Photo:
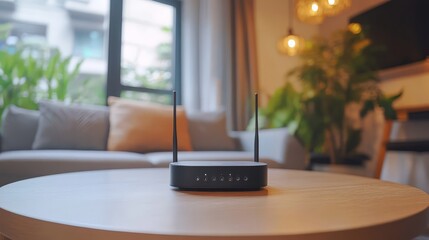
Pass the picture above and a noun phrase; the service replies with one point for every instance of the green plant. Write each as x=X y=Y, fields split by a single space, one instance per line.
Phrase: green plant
x=64 y=73
x=18 y=80
x=88 y=89
x=25 y=79
x=4 y=31
x=334 y=76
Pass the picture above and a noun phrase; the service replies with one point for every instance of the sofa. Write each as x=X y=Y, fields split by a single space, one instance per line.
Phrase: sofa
x=62 y=138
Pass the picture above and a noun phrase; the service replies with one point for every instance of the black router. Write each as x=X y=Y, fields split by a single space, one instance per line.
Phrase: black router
x=218 y=175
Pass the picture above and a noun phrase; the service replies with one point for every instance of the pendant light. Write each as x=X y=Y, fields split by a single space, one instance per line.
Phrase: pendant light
x=333 y=7
x=290 y=44
x=314 y=11
x=309 y=11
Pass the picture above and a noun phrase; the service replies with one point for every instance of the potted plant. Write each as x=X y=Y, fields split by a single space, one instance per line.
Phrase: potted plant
x=336 y=78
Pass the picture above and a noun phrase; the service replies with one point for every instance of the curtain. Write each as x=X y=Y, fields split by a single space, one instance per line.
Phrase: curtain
x=244 y=64
x=206 y=57
x=219 y=58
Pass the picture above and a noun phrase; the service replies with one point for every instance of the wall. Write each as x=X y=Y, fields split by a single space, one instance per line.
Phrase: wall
x=271 y=24
x=415 y=87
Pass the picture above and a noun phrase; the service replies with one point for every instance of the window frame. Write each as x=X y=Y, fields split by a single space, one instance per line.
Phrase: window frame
x=114 y=86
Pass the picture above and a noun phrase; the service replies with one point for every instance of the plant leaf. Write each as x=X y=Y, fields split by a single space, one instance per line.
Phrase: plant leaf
x=353 y=140
x=368 y=106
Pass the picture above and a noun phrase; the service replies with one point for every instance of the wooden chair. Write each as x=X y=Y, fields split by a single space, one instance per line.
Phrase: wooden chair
x=417 y=146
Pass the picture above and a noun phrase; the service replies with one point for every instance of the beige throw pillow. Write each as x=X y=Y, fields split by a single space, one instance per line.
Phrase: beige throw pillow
x=145 y=127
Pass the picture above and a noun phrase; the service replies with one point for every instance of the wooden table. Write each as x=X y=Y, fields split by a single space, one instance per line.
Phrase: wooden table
x=140 y=204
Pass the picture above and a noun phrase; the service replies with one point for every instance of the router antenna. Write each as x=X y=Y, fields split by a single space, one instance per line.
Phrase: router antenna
x=256 y=148
x=174 y=128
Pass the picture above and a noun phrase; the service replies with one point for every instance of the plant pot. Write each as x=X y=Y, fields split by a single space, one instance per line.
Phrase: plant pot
x=357 y=159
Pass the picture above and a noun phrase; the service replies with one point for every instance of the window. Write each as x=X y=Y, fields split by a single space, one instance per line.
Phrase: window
x=20 y=34
x=141 y=39
x=77 y=29
x=143 y=60
x=88 y=43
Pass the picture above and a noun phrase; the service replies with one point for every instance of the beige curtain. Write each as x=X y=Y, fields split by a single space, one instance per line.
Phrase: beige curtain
x=206 y=55
x=244 y=64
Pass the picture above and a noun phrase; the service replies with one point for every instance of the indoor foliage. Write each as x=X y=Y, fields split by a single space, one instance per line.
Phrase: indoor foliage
x=334 y=75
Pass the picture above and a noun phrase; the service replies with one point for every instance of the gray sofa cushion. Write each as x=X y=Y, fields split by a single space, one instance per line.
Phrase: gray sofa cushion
x=19 y=128
x=18 y=165
x=209 y=132
x=78 y=127
x=163 y=159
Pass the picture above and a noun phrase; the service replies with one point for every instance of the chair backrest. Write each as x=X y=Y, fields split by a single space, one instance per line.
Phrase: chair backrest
x=407 y=134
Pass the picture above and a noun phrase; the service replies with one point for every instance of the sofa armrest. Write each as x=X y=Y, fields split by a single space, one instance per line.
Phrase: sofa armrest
x=276 y=144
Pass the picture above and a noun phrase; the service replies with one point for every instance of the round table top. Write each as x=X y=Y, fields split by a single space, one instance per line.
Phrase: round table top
x=140 y=204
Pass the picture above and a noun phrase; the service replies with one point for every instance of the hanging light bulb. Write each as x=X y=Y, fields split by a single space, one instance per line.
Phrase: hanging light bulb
x=313 y=11
x=290 y=44
x=291 y=41
x=314 y=8
x=333 y=7
x=310 y=11
x=354 y=28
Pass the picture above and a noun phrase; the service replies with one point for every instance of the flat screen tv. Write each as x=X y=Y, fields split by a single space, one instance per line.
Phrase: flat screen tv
x=400 y=28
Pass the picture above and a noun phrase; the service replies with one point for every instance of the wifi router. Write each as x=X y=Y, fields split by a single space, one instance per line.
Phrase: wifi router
x=218 y=175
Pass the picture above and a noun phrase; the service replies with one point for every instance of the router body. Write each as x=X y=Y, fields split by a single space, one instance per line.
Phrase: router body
x=218 y=175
